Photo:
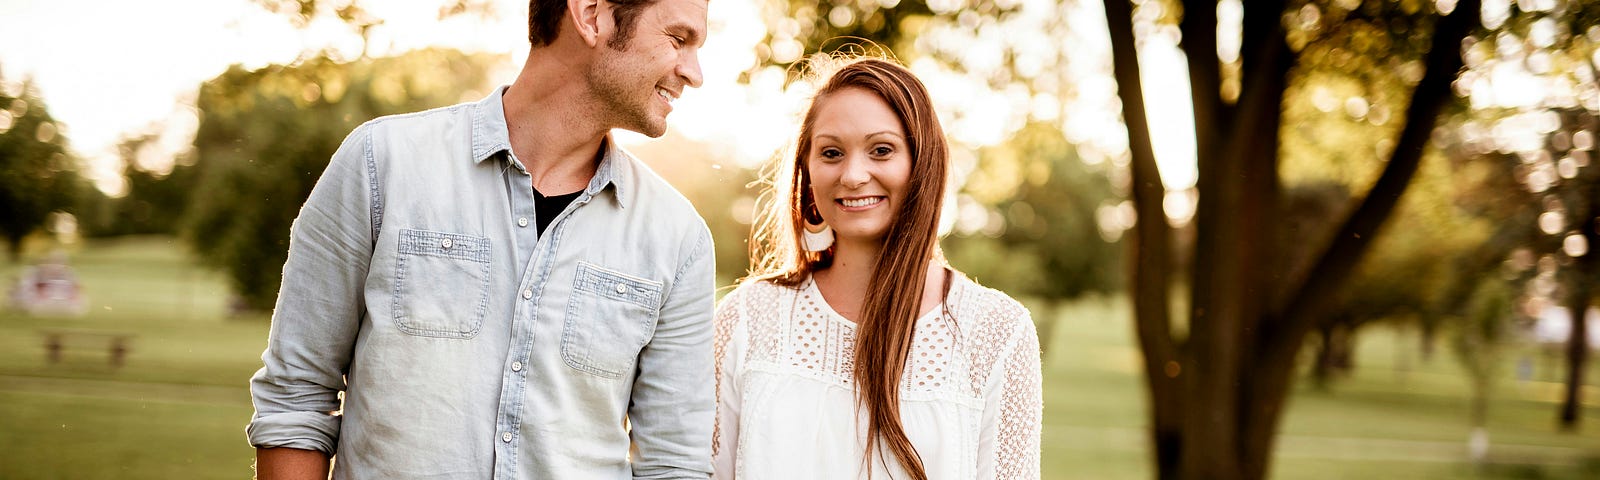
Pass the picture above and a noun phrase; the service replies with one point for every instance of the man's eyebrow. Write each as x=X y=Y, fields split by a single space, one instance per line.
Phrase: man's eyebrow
x=690 y=34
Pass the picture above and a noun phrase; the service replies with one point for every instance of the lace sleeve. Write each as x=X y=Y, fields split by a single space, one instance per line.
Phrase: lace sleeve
x=1016 y=452
x=725 y=439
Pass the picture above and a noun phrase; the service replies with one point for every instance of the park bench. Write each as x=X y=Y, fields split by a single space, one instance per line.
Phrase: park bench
x=115 y=344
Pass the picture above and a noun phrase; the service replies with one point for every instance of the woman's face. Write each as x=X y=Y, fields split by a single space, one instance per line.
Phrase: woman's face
x=860 y=163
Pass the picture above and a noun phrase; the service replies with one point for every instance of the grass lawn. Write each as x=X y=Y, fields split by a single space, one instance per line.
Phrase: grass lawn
x=177 y=409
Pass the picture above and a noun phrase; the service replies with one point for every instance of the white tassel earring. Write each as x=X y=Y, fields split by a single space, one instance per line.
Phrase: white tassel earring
x=817 y=237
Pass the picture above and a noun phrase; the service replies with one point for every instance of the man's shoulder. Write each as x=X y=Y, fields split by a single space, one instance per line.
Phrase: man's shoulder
x=430 y=118
x=655 y=197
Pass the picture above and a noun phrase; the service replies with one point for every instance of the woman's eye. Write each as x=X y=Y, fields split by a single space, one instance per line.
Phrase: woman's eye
x=832 y=153
x=882 y=151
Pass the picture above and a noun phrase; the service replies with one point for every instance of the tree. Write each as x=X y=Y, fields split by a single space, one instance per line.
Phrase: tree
x=1048 y=244
x=1535 y=101
x=155 y=198
x=266 y=135
x=1477 y=343
x=1410 y=276
x=1218 y=393
x=37 y=175
x=1556 y=188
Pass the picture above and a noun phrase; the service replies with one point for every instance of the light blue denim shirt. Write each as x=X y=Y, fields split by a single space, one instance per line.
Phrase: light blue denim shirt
x=467 y=346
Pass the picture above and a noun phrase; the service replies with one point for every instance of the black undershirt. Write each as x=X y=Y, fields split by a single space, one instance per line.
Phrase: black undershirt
x=546 y=208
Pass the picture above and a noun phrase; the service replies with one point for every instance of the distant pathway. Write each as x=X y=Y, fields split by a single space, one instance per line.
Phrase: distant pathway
x=134 y=391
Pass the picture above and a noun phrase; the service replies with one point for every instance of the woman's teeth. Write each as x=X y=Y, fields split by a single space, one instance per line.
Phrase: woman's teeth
x=860 y=202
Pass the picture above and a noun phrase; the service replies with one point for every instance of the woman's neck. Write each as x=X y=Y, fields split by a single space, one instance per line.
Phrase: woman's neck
x=845 y=282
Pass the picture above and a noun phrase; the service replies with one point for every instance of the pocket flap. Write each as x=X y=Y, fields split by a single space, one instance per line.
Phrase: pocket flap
x=449 y=245
x=618 y=286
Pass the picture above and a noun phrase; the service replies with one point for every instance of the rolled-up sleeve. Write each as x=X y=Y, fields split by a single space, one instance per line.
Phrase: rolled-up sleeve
x=319 y=307
x=674 y=401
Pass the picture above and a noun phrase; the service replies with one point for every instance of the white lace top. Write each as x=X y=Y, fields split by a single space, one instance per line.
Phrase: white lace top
x=970 y=399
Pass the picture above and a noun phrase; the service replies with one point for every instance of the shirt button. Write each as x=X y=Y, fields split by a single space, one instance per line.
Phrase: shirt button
x=522 y=222
x=506 y=436
x=622 y=288
x=527 y=293
x=516 y=366
x=446 y=243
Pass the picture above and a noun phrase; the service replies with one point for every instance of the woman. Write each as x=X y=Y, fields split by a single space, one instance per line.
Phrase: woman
x=852 y=352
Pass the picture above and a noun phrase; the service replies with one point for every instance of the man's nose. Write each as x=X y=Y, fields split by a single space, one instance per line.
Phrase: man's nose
x=689 y=68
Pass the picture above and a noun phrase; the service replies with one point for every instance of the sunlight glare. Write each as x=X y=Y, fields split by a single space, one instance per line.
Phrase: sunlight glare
x=1575 y=245
x=1171 y=112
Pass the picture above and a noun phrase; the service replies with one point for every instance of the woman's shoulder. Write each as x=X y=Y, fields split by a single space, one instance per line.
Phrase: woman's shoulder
x=981 y=300
x=754 y=291
x=998 y=316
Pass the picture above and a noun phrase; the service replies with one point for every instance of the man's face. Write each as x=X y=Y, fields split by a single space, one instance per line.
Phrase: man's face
x=637 y=83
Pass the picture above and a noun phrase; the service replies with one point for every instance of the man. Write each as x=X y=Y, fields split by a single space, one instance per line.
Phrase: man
x=498 y=290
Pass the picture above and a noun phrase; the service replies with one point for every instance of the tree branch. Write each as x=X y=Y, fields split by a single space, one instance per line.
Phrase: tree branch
x=1199 y=27
x=1150 y=246
x=1151 y=233
x=1355 y=235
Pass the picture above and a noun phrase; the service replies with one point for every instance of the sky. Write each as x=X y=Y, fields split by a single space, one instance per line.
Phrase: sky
x=111 y=68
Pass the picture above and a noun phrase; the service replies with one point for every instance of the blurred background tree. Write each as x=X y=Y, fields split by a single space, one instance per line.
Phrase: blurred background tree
x=37 y=174
x=1531 y=120
x=1479 y=344
x=155 y=197
x=1045 y=243
x=266 y=135
x=1546 y=198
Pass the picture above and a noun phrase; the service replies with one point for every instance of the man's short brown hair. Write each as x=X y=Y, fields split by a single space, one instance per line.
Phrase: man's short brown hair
x=544 y=20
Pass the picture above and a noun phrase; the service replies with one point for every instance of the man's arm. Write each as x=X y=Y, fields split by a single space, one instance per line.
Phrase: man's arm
x=286 y=463
x=674 y=398
x=315 y=320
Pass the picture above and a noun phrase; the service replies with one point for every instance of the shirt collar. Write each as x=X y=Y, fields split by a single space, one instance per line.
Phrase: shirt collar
x=490 y=136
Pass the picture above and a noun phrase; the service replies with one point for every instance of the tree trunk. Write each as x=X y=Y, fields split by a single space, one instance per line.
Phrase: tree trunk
x=1577 y=350
x=1322 y=369
x=14 y=248
x=1333 y=353
x=1580 y=287
x=1045 y=322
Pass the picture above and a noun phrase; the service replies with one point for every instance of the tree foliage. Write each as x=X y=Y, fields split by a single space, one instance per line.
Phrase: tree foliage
x=154 y=201
x=37 y=174
x=266 y=135
x=1048 y=244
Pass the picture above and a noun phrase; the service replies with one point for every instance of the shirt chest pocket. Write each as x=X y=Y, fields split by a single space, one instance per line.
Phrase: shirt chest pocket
x=610 y=317
x=441 y=283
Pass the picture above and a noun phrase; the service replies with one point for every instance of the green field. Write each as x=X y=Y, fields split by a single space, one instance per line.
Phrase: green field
x=177 y=409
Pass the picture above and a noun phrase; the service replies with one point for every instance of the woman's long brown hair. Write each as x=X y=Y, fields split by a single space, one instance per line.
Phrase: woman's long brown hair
x=888 y=316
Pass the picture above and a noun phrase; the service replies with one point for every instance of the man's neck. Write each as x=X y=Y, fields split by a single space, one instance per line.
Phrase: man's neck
x=550 y=121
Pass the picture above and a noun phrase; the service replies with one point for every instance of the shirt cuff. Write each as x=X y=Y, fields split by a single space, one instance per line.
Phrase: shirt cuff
x=302 y=430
